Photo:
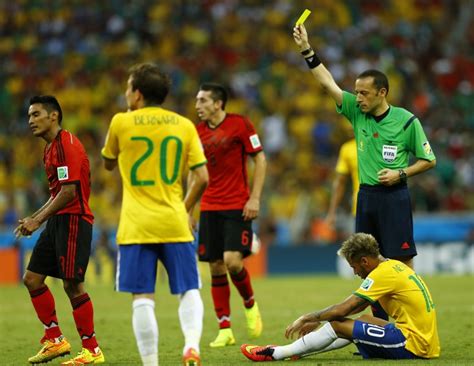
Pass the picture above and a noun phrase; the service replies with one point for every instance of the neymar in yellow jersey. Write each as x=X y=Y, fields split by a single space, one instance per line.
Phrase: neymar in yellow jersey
x=153 y=148
x=401 y=293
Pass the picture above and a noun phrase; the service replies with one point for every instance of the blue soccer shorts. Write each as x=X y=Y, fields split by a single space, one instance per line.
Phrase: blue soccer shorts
x=374 y=341
x=137 y=267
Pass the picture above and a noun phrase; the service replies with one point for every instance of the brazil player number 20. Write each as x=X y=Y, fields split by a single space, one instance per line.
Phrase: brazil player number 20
x=162 y=160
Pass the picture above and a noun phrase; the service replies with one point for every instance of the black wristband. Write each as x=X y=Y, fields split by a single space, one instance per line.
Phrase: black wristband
x=307 y=51
x=313 y=61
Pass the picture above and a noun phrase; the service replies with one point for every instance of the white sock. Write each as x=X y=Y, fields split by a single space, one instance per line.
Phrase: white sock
x=311 y=342
x=191 y=313
x=145 y=328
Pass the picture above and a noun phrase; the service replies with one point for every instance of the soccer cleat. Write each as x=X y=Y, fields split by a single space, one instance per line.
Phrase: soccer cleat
x=50 y=350
x=224 y=338
x=86 y=357
x=191 y=358
x=257 y=353
x=254 y=321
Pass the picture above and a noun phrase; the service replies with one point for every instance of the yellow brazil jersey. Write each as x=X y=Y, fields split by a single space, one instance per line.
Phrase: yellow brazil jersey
x=153 y=147
x=406 y=298
x=347 y=164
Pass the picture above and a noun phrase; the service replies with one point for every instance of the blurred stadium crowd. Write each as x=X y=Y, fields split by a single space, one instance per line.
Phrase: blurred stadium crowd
x=80 y=51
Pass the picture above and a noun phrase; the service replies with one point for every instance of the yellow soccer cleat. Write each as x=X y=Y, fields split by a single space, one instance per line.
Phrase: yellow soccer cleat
x=191 y=358
x=50 y=350
x=86 y=357
x=224 y=338
x=254 y=321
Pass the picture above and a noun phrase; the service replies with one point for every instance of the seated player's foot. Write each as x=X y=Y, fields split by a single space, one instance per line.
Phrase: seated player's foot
x=191 y=358
x=257 y=353
x=86 y=357
x=254 y=321
x=224 y=338
x=51 y=349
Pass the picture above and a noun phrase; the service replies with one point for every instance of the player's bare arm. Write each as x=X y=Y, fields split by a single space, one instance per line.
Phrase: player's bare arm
x=252 y=207
x=30 y=224
x=389 y=177
x=321 y=73
x=197 y=182
x=338 y=189
x=311 y=321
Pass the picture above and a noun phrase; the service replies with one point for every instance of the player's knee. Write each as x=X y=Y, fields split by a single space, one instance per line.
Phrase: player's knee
x=73 y=288
x=32 y=282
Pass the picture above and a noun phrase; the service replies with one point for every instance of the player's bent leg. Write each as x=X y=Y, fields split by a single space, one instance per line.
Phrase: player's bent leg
x=312 y=342
x=242 y=281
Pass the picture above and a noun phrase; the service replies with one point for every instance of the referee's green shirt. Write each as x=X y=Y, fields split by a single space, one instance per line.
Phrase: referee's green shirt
x=387 y=143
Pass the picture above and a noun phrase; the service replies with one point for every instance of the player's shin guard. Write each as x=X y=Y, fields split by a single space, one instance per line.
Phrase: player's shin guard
x=43 y=302
x=242 y=282
x=312 y=342
x=191 y=313
x=83 y=313
x=221 y=297
x=145 y=328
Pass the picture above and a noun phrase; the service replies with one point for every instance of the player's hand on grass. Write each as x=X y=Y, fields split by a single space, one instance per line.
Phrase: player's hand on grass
x=301 y=326
x=301 y=37
x=251 y=209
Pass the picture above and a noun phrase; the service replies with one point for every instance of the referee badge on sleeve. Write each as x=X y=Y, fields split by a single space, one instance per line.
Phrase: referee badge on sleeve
x=255 y=141
x=427 y=148
x=63 y=173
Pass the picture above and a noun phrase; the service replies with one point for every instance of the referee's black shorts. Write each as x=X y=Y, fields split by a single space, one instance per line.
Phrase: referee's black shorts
x=63 y=248
x=222 y=231
x=385 y=212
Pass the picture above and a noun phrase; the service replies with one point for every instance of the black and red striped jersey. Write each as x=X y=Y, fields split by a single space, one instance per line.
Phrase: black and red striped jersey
x=66 y=162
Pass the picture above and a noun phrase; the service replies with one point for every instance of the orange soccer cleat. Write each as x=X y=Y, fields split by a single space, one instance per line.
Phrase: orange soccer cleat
x=257 y=353
x=191 y=358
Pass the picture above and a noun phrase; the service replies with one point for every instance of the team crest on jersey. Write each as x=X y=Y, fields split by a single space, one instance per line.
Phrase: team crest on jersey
x=63 y=173
x=427 y=148
x=255 y=141
x=367 y=284
x=389 y=153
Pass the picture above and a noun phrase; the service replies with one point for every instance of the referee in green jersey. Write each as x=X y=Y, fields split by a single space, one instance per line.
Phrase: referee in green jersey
x=385 y=137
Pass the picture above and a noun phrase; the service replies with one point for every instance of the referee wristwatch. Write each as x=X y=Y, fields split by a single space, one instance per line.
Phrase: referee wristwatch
x=403 y=176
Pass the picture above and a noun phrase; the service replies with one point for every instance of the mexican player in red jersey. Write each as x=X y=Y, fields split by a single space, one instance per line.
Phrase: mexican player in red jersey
x=228 y=205
x=63 y=247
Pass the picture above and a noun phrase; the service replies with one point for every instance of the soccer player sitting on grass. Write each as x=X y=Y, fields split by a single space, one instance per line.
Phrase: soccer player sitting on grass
x=401 y=293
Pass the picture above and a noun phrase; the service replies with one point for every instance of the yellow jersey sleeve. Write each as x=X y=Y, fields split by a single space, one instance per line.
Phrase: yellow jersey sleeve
x=111 y=145
x=196 y=155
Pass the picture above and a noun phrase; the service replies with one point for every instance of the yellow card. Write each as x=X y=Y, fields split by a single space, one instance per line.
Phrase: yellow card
x=303 y=17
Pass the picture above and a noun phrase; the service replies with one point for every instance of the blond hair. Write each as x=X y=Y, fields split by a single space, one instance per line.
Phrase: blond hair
x=359 y=245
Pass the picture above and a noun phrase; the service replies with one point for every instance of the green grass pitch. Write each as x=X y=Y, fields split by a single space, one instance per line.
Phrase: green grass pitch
x=281 y=300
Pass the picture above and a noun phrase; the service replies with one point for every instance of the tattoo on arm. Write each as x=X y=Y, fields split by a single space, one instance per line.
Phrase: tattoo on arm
x=359 y=305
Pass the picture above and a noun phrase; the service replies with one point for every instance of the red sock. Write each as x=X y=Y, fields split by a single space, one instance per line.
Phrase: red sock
x=83 y=313
x=241 y=280
x=221 y=297
x=43 y=302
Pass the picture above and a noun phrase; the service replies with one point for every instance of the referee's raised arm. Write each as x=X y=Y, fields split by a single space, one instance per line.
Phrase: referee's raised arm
x=314 y=63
